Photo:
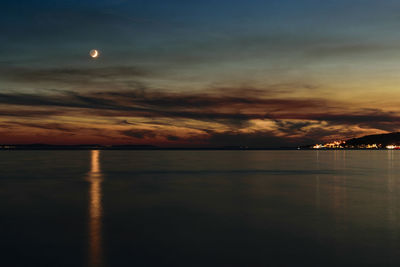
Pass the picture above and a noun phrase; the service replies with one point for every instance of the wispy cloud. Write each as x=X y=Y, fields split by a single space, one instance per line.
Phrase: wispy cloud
x=72 y=76
x=220 y=117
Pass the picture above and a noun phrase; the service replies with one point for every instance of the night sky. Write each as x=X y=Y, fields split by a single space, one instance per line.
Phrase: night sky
x=198 y=73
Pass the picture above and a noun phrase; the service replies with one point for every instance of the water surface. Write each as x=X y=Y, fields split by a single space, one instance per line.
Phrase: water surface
x=199 y=208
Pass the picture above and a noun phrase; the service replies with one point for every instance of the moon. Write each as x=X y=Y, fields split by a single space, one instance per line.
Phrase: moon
x=94 y=53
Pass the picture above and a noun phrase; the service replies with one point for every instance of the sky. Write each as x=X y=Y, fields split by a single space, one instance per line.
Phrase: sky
x=198 y=73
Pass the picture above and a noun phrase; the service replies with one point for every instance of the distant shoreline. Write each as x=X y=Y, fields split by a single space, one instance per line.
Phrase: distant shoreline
x=85 y=147
x=155 y=148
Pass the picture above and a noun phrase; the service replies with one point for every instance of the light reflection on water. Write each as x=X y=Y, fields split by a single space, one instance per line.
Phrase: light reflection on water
x=391 y=194
x=95 y=178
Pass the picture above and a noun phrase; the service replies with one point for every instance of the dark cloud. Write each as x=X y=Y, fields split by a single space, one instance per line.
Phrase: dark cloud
x=173 y=138
x=371 y=119
x=232 y=98
x=125 y=122
x=234 y=111
x=139 y=133
x=212 y=106
x=44 y=125
x=72 y=76
x=64 y=99
x=28 y=113
x=296 y=120
x=292 y=127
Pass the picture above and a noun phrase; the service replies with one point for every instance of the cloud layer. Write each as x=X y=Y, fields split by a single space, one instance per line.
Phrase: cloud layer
x=226 y=117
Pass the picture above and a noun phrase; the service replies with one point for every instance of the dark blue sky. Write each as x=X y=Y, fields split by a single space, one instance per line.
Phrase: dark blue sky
x=39 y=30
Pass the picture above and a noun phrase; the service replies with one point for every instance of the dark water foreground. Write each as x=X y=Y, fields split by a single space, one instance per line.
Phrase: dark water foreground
x=199 y=208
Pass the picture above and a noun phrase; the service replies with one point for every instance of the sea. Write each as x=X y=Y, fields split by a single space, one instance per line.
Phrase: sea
x=200 y=208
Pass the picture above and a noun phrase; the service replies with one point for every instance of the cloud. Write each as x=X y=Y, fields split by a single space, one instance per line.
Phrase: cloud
x=140 y=133
x=233 y=109
x=72 y=76
x=218 y=117
x=366 y=117
x=44 y=125
x=28 y=113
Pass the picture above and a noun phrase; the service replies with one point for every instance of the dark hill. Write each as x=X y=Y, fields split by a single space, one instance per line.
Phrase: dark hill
x=383 y=139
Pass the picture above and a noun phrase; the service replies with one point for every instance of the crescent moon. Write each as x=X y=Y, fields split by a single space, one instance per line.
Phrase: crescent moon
x=94 y=53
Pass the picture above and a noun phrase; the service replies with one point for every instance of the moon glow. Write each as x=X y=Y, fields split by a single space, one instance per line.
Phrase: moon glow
x=94 y=53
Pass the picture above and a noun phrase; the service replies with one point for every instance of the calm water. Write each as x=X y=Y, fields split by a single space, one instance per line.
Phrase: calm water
x=199 y=208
